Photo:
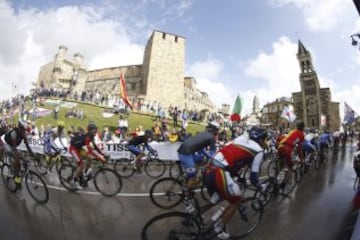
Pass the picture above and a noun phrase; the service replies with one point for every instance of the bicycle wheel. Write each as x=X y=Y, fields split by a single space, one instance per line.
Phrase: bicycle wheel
x=8 y=175
x=290 y=184
x=166 y=193
x=124 y=167
x=251 y=211
x=171 y=225
x=272 y=168
x=41 y=164
x=267 y=195
x=36 y=186
x=67 y=174
x=175 y=170
x=61 y=160
x=155 y=168
x=107 y=182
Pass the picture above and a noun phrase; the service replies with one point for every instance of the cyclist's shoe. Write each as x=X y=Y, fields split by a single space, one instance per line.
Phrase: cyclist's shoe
x=220 y=230
x=78 y=185
x=18 y=181
x=223 y=235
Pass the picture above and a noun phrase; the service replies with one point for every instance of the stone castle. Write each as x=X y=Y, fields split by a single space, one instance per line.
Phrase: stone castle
x=160 y=79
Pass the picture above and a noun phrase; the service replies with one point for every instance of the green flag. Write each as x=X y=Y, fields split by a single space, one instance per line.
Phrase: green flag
x=238 y=105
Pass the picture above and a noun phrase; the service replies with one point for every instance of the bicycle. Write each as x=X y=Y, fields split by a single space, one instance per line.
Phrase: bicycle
x=198 y=224
x=106 y=180
x=276 y=175
x=153 y=166
x=34 y=183
x=46 y=163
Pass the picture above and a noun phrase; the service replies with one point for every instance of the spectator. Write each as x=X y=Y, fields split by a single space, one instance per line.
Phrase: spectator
x=106 y=135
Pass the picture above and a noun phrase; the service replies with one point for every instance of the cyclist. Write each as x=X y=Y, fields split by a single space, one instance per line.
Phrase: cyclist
x=245 y=150
x=325 y=139
x=134 y=147
x=286 y=148
x=50 y=148
x=194 y=147
x=309 y=144
x=9 y=142
x=356 y=165
x=83 y=145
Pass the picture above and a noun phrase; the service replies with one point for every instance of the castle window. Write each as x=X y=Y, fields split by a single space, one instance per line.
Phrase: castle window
x=176 y=38
x=163 y=35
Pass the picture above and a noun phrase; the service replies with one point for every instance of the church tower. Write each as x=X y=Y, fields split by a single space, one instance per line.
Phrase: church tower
x=310 y=111
x=164 y=69
x=313 y=104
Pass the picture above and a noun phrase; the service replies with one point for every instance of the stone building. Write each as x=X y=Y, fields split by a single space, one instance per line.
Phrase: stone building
x=313 y=104
x=159 y=80
x=271 y=113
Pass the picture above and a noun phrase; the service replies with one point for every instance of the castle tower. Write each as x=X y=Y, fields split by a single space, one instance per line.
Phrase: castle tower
x=163 y=69
x=256 y=105
x=310 y=89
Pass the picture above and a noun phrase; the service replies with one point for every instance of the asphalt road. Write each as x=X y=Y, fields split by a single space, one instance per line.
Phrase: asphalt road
x=320 y=208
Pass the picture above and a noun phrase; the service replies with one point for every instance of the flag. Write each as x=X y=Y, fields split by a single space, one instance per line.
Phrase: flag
x=235 y=116
x=349 y=114
x=288 y=114
x=323 y=120
x=123 y=92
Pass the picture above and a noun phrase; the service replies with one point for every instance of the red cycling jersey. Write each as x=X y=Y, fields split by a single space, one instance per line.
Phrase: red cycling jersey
x=286 y=146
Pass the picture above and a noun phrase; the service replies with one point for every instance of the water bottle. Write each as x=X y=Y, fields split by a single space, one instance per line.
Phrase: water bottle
x=217 y=214
x=189 y=207
x=281 y=176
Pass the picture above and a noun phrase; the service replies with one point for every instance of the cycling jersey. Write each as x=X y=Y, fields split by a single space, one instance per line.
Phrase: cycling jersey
x=189 y=150
x=198 y=142
x=227 y=163
x=13 y=136
x=134 y=143
x=325 y=139
x=287 y=144
x=11 y=139
x=83 y=144
x=48 y=139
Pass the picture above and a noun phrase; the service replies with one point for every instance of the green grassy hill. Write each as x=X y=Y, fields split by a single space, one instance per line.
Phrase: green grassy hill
x=94 y=113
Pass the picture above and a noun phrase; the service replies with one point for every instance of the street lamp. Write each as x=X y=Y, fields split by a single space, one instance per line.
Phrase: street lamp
x=355 y=38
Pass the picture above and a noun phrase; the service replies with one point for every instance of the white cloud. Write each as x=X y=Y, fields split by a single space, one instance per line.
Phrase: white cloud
x=320 y=15
x=279 y=70
x=30 y=39
x=208 y=77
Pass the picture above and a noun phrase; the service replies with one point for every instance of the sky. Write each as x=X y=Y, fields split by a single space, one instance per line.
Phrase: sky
x=233 y=47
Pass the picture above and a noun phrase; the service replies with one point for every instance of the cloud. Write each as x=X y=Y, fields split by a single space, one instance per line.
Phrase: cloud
x=208 y=75
x=279 y=71
x=30 y=39
x=320 y=15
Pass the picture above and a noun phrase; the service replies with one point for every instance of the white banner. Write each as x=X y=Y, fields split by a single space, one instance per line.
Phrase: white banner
x=166 y=150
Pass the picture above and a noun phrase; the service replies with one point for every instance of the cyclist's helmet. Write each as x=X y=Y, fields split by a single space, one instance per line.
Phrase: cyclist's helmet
x=92 y=128
x=148 y=133
x=300 y=125
x=258 y=135
x=60 y=124
x=213 y=126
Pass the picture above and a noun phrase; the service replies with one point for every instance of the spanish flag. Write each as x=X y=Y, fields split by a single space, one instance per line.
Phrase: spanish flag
x=123 y=92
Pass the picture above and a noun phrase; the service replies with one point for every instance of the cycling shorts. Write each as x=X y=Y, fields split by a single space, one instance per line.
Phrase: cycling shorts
x=78 y=154
x=188 y=162
x=218 y=180
x=135 y=150
x=285 y=152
